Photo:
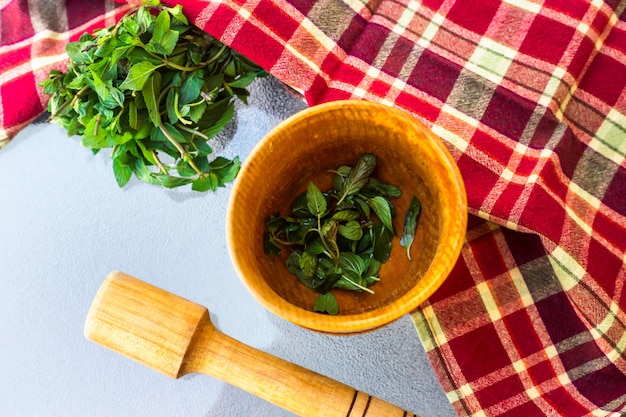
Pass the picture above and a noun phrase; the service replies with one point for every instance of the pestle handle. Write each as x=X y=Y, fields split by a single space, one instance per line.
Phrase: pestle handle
x=175 y=336
x=292 y=387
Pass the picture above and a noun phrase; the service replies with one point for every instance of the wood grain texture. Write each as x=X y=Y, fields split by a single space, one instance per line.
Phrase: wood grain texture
x=175 y=336
x=303 y=148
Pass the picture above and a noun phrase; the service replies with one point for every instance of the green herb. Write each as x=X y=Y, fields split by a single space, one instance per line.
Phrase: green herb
x=410 y=225
x=339 y=238
x=155 y=89
x=326 y=303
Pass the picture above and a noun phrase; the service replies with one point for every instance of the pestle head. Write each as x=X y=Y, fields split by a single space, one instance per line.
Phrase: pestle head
x=143 y=322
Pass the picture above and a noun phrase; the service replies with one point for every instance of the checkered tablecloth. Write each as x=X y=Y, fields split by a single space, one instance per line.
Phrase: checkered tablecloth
x=529 y=96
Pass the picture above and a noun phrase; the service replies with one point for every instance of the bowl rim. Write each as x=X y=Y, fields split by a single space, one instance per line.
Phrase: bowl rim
x=369 y=320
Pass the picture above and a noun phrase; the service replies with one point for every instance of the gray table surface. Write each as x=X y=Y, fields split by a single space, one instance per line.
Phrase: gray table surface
x=65 y=224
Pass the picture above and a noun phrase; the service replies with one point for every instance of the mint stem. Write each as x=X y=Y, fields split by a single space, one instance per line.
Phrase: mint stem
x=183 y=153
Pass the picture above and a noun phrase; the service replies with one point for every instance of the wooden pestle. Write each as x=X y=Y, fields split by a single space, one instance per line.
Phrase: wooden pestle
x=175 y=336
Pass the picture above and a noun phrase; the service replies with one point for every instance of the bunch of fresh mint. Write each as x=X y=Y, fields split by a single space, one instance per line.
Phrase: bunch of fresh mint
x=155 y=89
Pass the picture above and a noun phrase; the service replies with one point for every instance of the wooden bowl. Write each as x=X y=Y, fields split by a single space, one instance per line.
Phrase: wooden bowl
x=302 y=149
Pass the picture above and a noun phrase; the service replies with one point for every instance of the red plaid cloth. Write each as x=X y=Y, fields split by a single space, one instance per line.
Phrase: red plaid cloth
x=530 y=96
x=33 y=36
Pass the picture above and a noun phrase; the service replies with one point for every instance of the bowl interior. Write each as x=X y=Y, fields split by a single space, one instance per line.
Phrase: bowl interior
x=303 y=149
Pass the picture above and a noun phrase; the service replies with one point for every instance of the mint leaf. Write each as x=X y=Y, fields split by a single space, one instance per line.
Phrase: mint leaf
x=95 y=136
x=150 y=92
x=122 y=172
x=161 y=26
x=326 y=303
x=190 y=89
x=351 y=230
x=358 y=175
x=380 y=205
x=352 y=262
x=410 y=225
x=177 y=14
x=138 y=75
x=346 y=215
x=202 y=184
x=308 y=263
x=383 y=239
x=316 y=202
